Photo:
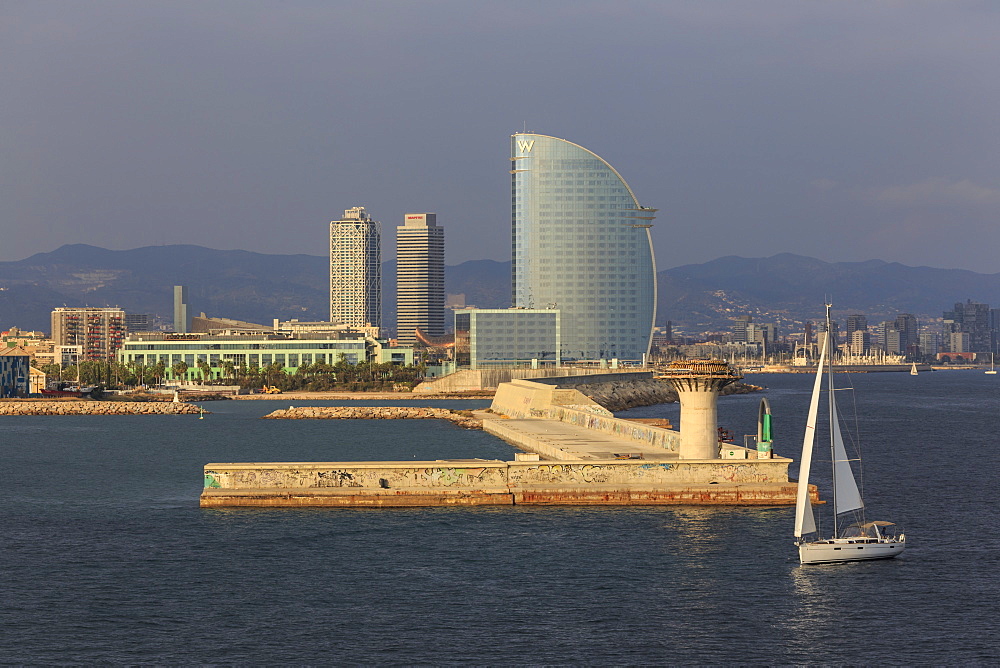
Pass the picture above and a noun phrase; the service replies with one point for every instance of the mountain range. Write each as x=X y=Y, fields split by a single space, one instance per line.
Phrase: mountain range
x=258 y=287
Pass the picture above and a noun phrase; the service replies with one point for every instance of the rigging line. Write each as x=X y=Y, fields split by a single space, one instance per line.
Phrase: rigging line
x=854 y=436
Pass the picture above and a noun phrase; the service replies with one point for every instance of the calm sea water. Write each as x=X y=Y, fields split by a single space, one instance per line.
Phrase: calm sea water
x=106 y=556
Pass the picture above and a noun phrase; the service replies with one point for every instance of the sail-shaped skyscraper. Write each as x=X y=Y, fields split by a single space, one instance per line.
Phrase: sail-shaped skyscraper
x=581 y=244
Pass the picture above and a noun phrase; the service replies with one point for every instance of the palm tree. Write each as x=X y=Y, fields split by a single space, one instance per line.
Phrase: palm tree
x=158 y=370
x=179 y=369
x=229 y=369
x=139 y=369
x=206 y=370
x=273 y=371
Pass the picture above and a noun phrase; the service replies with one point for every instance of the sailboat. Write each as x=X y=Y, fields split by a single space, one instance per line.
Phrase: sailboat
x=862 y=540
x=992 y=371
x=913 y=369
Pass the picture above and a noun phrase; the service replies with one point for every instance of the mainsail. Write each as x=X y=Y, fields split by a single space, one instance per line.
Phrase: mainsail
x=847 y=497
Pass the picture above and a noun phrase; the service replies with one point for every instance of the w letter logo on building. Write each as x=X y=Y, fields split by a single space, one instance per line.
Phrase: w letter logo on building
x=525 y=146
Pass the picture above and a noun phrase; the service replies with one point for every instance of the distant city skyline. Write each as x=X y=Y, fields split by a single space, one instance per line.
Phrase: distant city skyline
x=842 y=131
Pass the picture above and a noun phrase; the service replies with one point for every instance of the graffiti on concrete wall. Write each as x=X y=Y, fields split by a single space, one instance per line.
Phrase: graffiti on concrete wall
x=485 y=477
x=741 y=473
x=564 y=473
x=349 y=477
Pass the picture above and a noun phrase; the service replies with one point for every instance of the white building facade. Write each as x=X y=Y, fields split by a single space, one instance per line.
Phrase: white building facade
x=355 y=269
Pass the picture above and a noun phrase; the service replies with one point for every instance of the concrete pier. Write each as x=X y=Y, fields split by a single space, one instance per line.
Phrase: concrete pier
x=578 y=454
x=486 y=482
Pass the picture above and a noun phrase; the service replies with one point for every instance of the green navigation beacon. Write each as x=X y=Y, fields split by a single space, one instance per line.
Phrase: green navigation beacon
x=764 y=434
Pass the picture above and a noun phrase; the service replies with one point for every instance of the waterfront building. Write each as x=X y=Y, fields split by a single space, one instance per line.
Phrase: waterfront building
x=764 y=333
x=581 y=244
x=136 y=322
x=214 y=352
x=906 y=324
x=98 y=332
x=894 y=340
x=959 y=342
x=834 y=330
x=930 y=343
x=39 y=347
x=356 y=269
x=419 y=277
x=741 y=324
x=994 y=329
x=67 y=355
x=313 y=329
x=854 y=323
x=973 y=319
x=15 y=379
x=182 y=319
x=859 y=342
x=507 y=337
x=202 y=324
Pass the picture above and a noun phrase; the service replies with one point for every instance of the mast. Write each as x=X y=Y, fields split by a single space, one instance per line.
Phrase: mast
x=833 y=414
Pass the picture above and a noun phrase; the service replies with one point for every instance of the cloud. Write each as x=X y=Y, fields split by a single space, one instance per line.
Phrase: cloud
x=938 y=192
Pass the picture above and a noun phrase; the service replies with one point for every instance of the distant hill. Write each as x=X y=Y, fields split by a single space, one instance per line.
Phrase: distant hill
x=791 y=288
x=258 y=287
x=254 y=287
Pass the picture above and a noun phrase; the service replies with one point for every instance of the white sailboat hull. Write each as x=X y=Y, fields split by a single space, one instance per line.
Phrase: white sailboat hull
x=849 y=549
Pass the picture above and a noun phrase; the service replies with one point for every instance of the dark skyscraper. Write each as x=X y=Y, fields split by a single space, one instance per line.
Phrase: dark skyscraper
x=973 y=319
x=855 y=323
x=419 y=277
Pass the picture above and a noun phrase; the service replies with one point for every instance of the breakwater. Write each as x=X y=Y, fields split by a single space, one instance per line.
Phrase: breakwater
x=463 y=419
x=491 y=482
x=97 y=408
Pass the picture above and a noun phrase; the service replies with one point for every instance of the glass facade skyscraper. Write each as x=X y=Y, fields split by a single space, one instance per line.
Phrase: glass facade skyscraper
x=581 y=244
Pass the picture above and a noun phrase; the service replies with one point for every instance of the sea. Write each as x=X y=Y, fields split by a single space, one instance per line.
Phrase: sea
x=105 y=556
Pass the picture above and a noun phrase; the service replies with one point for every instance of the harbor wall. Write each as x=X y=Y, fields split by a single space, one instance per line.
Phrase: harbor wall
x=492 y=482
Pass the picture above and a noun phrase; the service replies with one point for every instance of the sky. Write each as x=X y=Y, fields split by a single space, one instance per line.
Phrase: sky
x=845 y=131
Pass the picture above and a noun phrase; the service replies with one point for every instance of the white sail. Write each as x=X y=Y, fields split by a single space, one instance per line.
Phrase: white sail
x=848 y=497
x=805 y=521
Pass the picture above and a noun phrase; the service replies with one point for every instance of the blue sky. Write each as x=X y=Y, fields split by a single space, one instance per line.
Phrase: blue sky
x=841 y=130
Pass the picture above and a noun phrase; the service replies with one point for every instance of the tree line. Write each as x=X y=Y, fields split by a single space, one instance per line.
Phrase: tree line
x=342 y=375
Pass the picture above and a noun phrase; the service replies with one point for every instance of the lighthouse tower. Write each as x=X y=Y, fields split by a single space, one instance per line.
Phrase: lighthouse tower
x=698 y=384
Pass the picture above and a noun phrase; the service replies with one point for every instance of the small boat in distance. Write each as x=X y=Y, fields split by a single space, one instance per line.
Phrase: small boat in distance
x=913 y=369
x=66 y=390
x=992 y=371
x=861 y=540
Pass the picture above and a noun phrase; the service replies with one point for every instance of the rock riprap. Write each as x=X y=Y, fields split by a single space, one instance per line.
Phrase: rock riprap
x=620 y=396
x=461 y=418
x=96 y=408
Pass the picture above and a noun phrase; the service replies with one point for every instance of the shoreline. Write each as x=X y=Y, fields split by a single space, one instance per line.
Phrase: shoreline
x=355 y=396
